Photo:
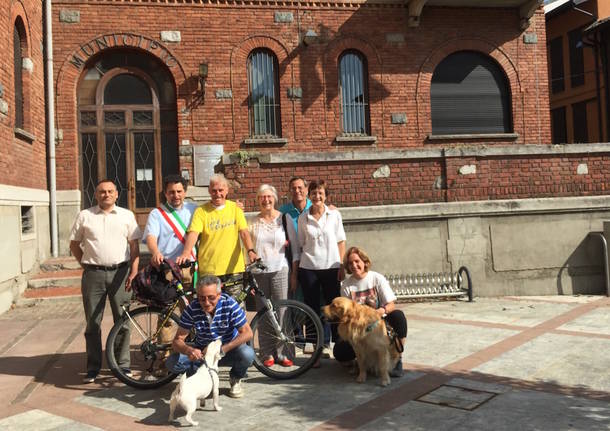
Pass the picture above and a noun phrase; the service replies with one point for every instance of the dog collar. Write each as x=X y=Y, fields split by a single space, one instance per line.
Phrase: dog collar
x=371 y=326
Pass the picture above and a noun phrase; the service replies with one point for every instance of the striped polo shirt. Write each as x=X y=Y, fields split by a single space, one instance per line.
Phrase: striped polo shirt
x=227 y=319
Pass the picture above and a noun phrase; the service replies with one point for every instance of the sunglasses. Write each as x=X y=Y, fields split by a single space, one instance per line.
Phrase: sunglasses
x=210 y=298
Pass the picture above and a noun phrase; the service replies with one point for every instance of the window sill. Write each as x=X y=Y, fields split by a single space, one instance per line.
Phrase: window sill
x=24 y=136
x=265 y=140
x=475 y=136
x=355 y=139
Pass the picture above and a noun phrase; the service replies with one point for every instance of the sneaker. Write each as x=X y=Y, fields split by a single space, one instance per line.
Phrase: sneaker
x=327 y=352
x=127 y=372
x=236 y=390
x=90 y=377
x=398 y=370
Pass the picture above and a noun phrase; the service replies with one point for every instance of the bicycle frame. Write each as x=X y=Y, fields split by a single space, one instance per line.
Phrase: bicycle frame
x=249 y=285
x=167 y=313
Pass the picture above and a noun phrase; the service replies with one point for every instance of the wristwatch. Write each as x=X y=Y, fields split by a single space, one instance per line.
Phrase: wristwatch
x=251 y=250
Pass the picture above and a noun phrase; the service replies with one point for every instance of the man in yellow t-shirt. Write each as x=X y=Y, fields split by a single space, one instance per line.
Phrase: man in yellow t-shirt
x=219 y=225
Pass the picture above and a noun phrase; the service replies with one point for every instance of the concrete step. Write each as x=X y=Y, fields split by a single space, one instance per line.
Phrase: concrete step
x=51 y=292
x=69 y=277
x=59 y=264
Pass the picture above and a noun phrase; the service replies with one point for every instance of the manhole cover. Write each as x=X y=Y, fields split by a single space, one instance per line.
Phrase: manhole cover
x=456 y=397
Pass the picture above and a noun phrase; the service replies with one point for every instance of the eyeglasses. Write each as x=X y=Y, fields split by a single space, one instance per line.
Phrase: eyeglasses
x=210 y=298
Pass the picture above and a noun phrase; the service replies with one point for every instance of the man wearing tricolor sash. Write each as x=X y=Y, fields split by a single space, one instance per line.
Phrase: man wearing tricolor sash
x=167 y=225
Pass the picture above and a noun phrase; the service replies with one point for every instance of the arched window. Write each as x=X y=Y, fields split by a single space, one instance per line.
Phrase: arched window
x=263 y=101
x=469 y=94
x=18 y=49
x=353 y=84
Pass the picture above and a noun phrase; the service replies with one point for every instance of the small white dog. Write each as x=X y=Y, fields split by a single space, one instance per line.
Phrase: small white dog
x=198 y=386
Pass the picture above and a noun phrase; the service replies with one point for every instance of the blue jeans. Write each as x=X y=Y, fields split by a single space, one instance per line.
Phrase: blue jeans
x=239 y=359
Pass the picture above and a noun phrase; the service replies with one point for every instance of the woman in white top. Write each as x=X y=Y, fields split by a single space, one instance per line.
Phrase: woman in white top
x=270 y=244
x=321 y=245
x=370 y=288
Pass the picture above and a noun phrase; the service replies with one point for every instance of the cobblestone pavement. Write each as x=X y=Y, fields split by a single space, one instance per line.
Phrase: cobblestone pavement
x=535 y=363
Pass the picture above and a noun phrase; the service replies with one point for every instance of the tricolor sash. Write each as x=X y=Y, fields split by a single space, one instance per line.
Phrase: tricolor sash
x=175 y=222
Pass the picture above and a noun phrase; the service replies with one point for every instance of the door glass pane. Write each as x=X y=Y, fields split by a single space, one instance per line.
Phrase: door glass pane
x=114 y=118
x=142 y=118
x=169 y=153
x=89 y=163
x=144 y=157
x=116 y=164
x=126 y=89
x=87 y=118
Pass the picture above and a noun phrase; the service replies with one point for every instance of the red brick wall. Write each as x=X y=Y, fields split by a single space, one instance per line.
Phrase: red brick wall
x=432 y=180
x=222 y=35
x=23 y=163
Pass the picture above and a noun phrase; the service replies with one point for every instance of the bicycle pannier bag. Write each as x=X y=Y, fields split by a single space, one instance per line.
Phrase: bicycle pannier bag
x=157 y=286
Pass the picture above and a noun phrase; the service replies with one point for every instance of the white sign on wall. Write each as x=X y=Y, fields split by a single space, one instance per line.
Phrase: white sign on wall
x=205 y=158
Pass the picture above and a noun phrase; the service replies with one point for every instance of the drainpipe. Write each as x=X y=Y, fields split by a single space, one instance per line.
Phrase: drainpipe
x=48 y=49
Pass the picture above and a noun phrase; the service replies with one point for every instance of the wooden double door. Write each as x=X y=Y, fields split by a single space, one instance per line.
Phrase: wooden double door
x=121 y=140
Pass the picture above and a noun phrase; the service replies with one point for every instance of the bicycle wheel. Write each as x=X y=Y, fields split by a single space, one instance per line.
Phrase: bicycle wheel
x=300 y=338
x=137 y=331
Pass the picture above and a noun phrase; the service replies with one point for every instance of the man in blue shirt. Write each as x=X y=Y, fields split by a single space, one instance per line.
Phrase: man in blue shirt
x=299 y=200
x=167 y=225
x=293 y=209
x=213 y=315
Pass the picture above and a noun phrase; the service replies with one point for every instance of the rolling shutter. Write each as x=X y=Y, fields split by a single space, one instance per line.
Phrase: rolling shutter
x=469 y=95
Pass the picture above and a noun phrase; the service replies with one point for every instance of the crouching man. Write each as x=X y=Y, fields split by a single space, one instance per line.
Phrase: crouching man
x=213 y=315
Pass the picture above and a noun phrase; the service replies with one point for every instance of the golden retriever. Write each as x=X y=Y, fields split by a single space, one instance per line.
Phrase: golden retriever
x=366 y=332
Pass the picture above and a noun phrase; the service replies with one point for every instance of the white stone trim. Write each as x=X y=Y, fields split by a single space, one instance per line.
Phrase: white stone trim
x=69 y=197
x=480 y=151
x=14 y=195
x=475 y=208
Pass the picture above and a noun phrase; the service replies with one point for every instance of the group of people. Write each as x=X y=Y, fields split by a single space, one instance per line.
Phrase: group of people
x=302 y=245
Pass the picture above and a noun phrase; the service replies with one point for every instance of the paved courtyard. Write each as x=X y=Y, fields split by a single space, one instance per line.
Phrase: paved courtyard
x=535 y=363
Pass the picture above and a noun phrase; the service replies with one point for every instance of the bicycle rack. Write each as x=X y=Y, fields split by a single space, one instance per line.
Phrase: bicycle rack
x=432 y=285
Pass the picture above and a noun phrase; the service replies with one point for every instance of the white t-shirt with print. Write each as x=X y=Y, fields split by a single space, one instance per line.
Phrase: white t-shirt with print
x=373 y=290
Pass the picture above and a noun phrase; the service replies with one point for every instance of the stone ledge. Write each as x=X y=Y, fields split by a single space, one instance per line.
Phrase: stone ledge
x=474 y=136
x=15 y=195
x=440 y=210
x=356 y=139
x=24 y=135
x=264 y=141
x=481 y=151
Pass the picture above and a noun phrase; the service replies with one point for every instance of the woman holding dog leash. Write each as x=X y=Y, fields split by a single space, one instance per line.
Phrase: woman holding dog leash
x=370 y=288
x=270 y=244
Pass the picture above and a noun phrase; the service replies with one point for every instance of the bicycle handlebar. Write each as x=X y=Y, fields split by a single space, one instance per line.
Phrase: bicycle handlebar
x=257 y=264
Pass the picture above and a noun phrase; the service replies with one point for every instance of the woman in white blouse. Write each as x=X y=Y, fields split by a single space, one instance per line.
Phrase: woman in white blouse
x=270 y=244
x=321 y=245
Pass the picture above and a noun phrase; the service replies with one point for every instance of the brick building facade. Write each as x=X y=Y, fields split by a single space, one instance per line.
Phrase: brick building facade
x=24 y=198
x=431 y=123
x=429 y=119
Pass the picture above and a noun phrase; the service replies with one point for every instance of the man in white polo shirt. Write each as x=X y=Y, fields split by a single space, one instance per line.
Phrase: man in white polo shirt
x=104 y=241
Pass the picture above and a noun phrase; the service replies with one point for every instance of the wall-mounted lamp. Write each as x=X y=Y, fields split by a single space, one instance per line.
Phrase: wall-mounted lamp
x=310 y=37
x=202 y=75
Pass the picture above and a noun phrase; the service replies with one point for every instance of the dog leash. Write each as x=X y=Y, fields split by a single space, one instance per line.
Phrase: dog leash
x=210 y=369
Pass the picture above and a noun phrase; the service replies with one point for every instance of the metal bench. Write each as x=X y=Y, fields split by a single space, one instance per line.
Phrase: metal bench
x=432 y=285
